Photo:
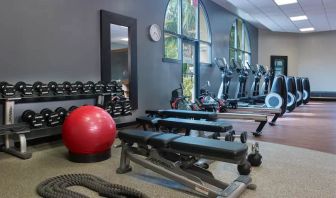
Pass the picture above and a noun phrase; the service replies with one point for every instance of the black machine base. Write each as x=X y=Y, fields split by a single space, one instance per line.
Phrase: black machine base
x=89 y=158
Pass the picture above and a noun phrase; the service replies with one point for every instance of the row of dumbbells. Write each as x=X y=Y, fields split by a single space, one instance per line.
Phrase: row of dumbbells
x=52 y=88
x=119 y=106
x=46 y=117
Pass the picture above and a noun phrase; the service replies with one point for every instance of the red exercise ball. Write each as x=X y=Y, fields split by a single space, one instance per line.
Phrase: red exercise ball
x=89 y=132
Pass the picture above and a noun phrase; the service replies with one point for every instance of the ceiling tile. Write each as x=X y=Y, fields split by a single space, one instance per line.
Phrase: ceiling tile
x=265 y=13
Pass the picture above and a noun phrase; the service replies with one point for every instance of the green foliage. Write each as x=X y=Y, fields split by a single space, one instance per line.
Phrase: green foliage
x=189 y=19
x=172 y=16
x=188 y=84
x=171 y=47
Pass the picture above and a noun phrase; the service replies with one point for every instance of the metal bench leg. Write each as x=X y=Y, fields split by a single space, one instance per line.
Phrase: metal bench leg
x=260 y=128
x=276 y=116
x=124 y=160
x=10 y=147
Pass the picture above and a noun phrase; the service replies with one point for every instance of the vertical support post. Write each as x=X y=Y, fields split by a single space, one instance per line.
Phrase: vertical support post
x=101 y=99
x=9 y=119
x=124 y=166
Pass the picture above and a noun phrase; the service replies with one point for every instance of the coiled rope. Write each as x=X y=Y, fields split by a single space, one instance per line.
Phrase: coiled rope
x=56 y=187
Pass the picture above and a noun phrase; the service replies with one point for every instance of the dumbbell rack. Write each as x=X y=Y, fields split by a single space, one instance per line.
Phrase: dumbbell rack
x=9 y=116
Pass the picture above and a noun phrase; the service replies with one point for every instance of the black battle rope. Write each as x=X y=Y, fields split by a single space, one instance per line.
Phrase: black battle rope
x=56 y=187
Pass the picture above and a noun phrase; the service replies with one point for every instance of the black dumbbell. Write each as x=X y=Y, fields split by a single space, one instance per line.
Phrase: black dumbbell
x=230 y=136
x=56 y=88
x=51 y=118
x=109 y=108
x=114 y=86
x=88 y=87
x=109 y=87
x=41 y=88
x=35 y=120
x=7 y=90
x=74 y=88
x=72 y=108
x=80 y=87
x=62 y=112
x=24 y=89
x=67 y=87
x=255 y=158
x=99 y=87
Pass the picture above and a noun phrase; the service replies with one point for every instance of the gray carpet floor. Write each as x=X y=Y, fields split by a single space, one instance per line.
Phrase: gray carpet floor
x=286 y=172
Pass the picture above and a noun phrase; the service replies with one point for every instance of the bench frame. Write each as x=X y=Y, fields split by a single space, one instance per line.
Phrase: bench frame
x=183 y=172
x=11 y=135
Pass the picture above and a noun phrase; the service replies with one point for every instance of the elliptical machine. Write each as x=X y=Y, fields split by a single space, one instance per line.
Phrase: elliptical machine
x=291 y=95
x=243 y=72
x=299 y=91
x=223 y=92
x=258 y=95
x=306 y=90
x=265 y=88
x=256 y=82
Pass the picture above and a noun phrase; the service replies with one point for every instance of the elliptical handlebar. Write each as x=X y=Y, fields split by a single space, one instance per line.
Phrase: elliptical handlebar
x=223 y=66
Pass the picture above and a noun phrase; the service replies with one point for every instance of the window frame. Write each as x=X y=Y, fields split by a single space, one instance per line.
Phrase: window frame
x=242 y=49
x=182 y=37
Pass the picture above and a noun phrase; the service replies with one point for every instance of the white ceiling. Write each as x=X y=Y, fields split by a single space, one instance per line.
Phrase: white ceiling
x=267 y=14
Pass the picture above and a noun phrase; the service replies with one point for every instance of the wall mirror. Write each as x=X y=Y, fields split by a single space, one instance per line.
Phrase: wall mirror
x=119 y=52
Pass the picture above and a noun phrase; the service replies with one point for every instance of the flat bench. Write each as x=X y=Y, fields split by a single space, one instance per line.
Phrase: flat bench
x=231 y=152
x=200 y=125
x=174 y=156
x=185 y=124
x=183 y=114
x=211 y=116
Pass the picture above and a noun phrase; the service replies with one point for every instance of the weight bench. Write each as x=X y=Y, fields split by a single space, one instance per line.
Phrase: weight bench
x=200 y=125
x=20 y=130
x=174 y=156
x=211 y=116
x=187 y=125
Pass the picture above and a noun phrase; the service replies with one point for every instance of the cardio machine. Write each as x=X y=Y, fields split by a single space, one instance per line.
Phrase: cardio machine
x=275 y=103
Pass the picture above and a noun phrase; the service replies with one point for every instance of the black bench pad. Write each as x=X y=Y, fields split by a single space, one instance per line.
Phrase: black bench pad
x=136 y=136
x=210 y=147
x=162 y=141
x=201 y=125
x=189 y=114
x=220 y=150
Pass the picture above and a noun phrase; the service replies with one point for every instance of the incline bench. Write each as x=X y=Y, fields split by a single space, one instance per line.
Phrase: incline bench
x=174 y=156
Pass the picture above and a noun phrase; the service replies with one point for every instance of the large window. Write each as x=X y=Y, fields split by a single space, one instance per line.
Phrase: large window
x=240 y=49
x=186 y=20
x=187 y=39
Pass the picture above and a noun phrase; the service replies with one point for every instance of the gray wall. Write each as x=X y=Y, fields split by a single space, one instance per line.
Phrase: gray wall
x=309 y=55
x=60 y=40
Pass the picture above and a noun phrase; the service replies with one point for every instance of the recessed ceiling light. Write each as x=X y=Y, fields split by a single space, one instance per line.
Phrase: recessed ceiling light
x=307 y=29
x=124 y=39
x=299 y=18
x=284 y=2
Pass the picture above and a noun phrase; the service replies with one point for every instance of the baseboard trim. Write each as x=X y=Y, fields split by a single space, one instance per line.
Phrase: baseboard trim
x=323 y=96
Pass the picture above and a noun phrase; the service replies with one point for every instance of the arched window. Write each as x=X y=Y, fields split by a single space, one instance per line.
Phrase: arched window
x=240 y=48
x=187 y=32
x=186 y=19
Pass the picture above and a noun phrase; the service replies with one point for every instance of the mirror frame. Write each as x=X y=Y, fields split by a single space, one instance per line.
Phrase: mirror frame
x=107 y=18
